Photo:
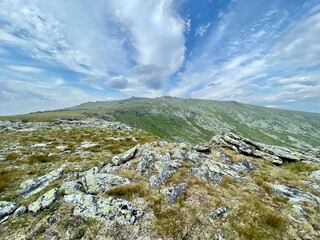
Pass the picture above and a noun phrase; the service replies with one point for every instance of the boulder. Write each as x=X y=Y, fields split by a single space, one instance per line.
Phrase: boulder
x=72 y=187
x=95 y=183
x=102 y=209
x=221 y=212
x=172 y=194
x=21 y=210
x=43 y=202
x=146 y=162
x=124 y=157
x=6 y=209
x=312 y=184
x=213 y=171
x=293 y=194
x=35 y=185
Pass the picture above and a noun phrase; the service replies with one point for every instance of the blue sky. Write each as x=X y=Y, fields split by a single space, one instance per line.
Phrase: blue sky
x=55 y=54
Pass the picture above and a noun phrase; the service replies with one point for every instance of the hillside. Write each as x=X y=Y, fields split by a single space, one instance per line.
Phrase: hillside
x=195 y=121
x=93 y=179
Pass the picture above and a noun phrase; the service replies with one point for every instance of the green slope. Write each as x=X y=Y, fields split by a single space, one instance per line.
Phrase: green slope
x=194 y=121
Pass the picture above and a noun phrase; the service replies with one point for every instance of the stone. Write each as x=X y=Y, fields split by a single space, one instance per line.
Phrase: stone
x=43 y=202
x=219 y=237
x=312 y=184
x=35 y=185
x=315 y=175
x=270 y=153
x=165 y=168
x=221 y=156
x=172 y=194
x=202 y=147
x=21 y=210
x=146 y=162
x=100 y=182
x=102 y=209
x=124 y=157
x=213 y=171
x=294 y=195
x=72 y=187
x=221 y=212
x=6 y=208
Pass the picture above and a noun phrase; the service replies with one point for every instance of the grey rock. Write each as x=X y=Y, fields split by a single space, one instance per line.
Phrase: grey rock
x=95 y=183
x=124 y=157
x=221 y=156
x=213 y=171
x=165 y=168
x=45 y=201
x=6 y=208
x=194 y=156
x=72 y=187
x=172 y=194
x=274 y=154
x=109 y=168
x=179 y=154
x=293 y=194
x=102 y=209
x=4 y=218
x=202 y=147
x=219 y=237
x=312 y=184
x=146 y=162
x=315 y=175
x=221 y=212
x=21 y=210
x=35 y=185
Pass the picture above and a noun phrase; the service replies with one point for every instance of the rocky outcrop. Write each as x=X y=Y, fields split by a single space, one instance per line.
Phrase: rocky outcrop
x=102 y=209
x=99 y=182
x=124 y=157
x=35 y=185
x=45 y=201
x=72 y=187
x=6 y=209
x=172 y=194
x=273 y=154
x=293 y=194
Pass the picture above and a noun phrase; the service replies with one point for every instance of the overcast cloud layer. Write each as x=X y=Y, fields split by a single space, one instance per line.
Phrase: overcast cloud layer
x=55 y=54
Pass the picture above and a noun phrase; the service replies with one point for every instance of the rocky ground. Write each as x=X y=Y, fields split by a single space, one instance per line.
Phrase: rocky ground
x=91 y=179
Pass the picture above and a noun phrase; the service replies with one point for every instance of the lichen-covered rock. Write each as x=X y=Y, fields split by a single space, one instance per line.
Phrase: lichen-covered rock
x=214 y=171
x=315 y=175
x=202 y=147
x=21 y=210
x=274 y=154
x=165 y=168
x=124 y=157
x=70 y=187
x=172 y=194
x=221 y=156
x=146 y=162
x=221 y=212
x=95 y=183
x=6 y=208
x=294 y=195
x=102 y=209
x=43 y=202
x=35 y=185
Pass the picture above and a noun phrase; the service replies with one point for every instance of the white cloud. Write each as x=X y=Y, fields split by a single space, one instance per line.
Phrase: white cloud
x=156 y=31
x=202 y=29
x=298 y=46
x=25 y=69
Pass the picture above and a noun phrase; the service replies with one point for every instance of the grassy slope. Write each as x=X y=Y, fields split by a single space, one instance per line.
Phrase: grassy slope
x=194 y=121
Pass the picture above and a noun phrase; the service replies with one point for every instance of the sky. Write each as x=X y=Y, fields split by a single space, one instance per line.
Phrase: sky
x=61 y=53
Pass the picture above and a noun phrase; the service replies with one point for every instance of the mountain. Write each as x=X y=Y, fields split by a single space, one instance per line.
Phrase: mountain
x=195 y=121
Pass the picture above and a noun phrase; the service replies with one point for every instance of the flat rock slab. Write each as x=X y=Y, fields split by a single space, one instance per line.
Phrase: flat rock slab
x=95 y=183
x=35 y=185
x=293 y=194
x=102 y=209
x=43 y=202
